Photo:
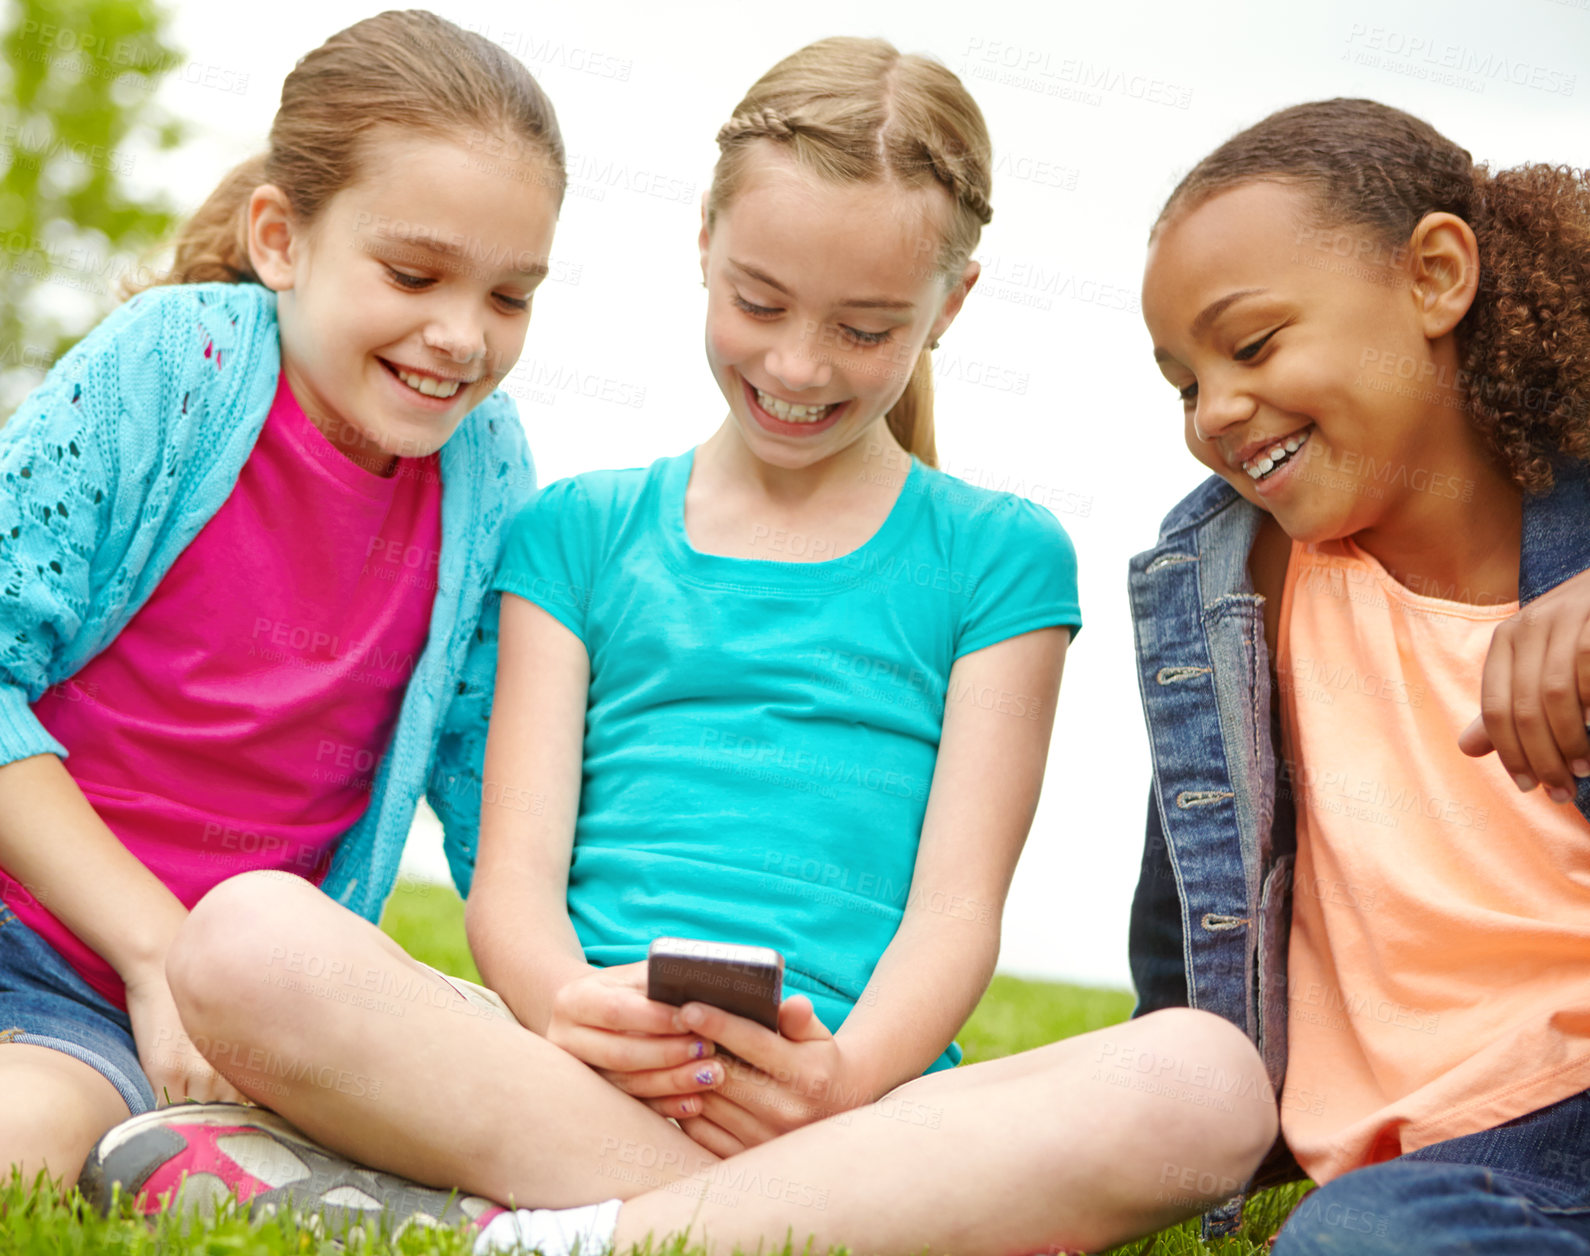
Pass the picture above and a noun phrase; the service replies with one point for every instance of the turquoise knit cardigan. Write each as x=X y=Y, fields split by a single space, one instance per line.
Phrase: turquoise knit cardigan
x=127 y=449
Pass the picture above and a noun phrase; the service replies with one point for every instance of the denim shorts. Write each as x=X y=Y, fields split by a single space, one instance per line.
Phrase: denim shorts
x=44 y=1002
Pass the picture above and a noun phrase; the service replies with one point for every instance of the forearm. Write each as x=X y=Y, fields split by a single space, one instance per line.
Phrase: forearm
x=517 y=916
x=985 y=789
x=524 y=945
x=923 y=989
x=53 y=842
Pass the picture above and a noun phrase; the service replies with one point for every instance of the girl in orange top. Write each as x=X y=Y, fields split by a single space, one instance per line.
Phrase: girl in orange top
x=1384 y=350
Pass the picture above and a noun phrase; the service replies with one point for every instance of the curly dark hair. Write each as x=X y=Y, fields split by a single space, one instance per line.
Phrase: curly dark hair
x=1525 y=342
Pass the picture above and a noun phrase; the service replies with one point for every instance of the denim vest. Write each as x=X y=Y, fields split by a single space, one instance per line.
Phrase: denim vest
x=1212 y=913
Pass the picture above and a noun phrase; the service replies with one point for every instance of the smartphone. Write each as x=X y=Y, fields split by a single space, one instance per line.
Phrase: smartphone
x=745 y=980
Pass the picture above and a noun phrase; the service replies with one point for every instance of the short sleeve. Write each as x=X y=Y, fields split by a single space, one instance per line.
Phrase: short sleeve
x=549 y=558
x=1027 y=576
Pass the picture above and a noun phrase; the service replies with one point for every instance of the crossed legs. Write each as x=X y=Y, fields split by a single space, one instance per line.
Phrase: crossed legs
x=315 y=1013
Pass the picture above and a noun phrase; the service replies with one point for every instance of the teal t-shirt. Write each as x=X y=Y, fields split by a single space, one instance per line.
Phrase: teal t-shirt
x=760 y=735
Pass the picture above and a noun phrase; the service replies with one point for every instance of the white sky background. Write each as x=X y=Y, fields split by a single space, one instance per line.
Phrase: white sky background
x=1046 y=385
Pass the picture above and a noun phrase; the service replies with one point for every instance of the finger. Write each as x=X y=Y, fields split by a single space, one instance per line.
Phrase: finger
x=632 y=1053
x=1542 y=760
x=797 y=1021
x=169 y=1089
x=1581 y=767
x=166 y=1078
x=679 y=1107
x=748 y=1127
x=1564 y=709
x=753 y=1091
x=779 y=1104
x=207 y=1084
x=713 y=1137
x=687 y=1080
x=632 y=975
x=1496 y=707
x=607 y=1005
x=1474 y=740
x=211 y=1087
x=753 y=1043
x=1577 y=752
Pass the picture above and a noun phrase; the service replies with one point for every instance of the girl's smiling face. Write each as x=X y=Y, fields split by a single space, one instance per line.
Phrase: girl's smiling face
x=406 y=300
x=1320 y=382
x=820 y=298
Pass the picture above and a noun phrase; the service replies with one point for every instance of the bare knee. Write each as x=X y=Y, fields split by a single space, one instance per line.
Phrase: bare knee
x=219 y=964
x=1223 y=1119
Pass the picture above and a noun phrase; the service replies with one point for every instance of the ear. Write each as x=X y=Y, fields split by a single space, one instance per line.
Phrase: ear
x=272 y=234
x=1445 y=262
x=954 y=300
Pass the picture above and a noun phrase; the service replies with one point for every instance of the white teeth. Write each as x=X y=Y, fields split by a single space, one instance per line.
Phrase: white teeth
x=781 y=409
x=428 y=384
x=1258 y=468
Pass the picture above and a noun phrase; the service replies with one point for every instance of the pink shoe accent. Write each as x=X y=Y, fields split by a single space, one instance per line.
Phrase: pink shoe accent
x=202 y=1154
x=487 y=1217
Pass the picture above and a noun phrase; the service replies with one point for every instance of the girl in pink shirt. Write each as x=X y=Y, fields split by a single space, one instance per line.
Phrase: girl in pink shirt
x=247 y=528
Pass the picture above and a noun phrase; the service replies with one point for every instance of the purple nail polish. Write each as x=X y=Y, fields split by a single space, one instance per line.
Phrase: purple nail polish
x=697 y=1050
x=706 y=1076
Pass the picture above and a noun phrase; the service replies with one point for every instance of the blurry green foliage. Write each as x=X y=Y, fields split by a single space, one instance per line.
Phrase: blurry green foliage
x=77 y=80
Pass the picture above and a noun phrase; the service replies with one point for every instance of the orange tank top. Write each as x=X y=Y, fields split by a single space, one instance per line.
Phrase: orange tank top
x=1439 y=968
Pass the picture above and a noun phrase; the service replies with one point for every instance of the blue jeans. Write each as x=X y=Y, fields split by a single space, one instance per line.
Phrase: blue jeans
x=1521 y=1189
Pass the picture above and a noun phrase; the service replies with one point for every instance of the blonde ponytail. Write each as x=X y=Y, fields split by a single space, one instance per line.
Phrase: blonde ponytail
x=213 y=246
x=910 y=419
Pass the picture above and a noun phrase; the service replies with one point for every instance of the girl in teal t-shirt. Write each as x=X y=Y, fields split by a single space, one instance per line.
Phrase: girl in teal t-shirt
x=793 y=687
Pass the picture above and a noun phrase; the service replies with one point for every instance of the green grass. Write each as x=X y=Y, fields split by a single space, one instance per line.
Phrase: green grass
x=1014 y=1016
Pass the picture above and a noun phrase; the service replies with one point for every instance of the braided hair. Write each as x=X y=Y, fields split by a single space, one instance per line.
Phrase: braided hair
x=856 y=110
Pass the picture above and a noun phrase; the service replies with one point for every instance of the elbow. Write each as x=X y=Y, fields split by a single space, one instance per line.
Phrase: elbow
x=986 y=948
x=479 y=926
x=989 y=961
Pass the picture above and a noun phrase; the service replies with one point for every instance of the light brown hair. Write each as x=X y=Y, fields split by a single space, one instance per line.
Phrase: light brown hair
x=408 y=70
x=856 y=110
x=1525 y=341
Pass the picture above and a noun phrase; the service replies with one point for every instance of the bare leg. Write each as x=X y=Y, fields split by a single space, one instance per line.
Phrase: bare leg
x=315 y=1013
x=1078 y=1145
x=56 y=1108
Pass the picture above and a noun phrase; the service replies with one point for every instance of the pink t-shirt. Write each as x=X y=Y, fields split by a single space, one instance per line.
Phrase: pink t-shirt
x=238 y=720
